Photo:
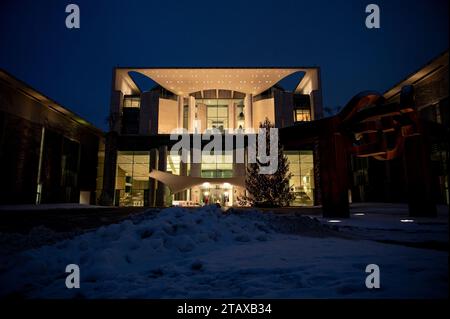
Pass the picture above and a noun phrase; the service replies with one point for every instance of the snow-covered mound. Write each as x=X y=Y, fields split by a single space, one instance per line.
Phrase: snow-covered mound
x=133 y=245
x=206 y=253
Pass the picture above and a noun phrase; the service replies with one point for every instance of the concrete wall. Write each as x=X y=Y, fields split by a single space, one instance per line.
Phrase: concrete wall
x=261 y=110
x=167 y=116
x=284 y=111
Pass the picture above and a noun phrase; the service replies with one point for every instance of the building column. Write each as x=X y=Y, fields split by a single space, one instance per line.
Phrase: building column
x=191 y=114
x=316 y=105
x=152 y=183
x=333 y=173
x=183 y=172
x=115 y=111
x=231 y=116
x=162 y=166
x=109 y=170
x=195 y=167
x=180 y=111
x=278 y=108
x=248 y=109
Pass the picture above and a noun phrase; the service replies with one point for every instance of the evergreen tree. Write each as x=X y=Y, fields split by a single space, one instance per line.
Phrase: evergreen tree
x=268 y=190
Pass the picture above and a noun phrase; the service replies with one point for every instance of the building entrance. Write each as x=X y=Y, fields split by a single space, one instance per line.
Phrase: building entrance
x=217 y=193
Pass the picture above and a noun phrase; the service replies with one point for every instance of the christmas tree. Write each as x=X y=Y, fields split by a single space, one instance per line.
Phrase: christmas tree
x=268 y=190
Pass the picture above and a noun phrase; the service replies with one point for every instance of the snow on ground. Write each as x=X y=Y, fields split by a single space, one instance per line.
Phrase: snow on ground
x=387 y=221
x=203 y=253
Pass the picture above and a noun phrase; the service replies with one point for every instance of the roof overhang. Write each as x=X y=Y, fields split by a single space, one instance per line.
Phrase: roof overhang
x=29 y=91
x=423 y=73
x=177 y=183
x=183 y=81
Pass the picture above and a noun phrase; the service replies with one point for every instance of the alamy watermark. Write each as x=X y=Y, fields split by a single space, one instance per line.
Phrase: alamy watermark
x=266 y=156
x=373 y=279
x=373 y=19
x=73 y=279
x=73 y=17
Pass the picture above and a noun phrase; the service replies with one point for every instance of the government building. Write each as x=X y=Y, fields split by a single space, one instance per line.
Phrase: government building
x=231 y=100
x=380 y=147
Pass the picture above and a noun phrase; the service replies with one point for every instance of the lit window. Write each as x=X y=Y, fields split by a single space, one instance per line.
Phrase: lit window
x=132 y=181
x=302 y=115
x=301 y=166
x=132 y=101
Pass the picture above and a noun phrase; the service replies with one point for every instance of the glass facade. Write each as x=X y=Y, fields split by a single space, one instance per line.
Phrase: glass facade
x=240 y=117
x=185 y=116
x=220 y=113
x=216 y=113
x=301 y=166
x=217 y=165
x=176 y=167
x=132 y=179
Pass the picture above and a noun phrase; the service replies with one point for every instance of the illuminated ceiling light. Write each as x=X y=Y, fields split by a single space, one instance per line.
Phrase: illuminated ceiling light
x=334 y=221
x=359 y=214
x=206 y=185
x=407 y=220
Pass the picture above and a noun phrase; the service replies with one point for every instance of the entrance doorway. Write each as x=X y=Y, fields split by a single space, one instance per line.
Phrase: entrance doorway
x=217 y=193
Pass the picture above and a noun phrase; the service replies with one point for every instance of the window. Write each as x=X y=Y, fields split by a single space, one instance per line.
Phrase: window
x=173 y=164
x=176 y=166
x=302 y=115
x=216 y=113
x=132 y=179
x=301 y=166
x=239 y=113
x=217 y=165
x=185 y=116
x=217 y=117
x=131 y=101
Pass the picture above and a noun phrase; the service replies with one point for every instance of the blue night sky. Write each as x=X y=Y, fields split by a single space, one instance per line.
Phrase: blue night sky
x=74 y=67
